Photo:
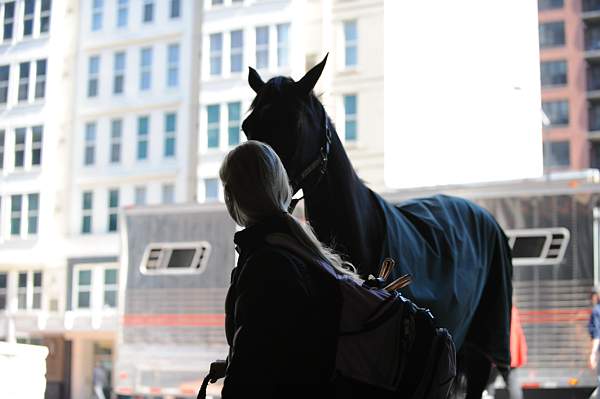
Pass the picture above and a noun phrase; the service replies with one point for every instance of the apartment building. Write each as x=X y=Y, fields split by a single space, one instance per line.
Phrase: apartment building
x=133 y=143
x=287 y=37
x=36 y=55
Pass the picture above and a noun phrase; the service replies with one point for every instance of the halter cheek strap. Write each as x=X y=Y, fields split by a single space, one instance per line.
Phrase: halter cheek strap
x=320 y=163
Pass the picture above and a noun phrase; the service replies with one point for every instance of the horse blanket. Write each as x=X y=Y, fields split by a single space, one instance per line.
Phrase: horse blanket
x=459 y=259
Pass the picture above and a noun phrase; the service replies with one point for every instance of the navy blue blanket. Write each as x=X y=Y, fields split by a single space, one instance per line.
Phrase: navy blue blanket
x=460 y=262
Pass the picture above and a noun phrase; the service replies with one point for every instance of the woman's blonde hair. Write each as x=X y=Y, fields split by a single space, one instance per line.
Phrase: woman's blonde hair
x=256 y=187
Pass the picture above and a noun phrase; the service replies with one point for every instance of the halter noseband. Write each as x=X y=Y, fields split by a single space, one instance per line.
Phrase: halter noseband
x=320 y=162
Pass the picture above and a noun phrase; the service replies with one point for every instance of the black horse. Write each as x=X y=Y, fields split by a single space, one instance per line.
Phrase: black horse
x=456 y=252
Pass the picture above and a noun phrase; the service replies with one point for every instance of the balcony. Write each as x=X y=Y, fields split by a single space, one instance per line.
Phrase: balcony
x=590 y=6
x=592 y=40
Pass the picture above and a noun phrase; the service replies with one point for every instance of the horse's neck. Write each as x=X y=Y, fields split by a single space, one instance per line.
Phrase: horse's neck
x=345 y=214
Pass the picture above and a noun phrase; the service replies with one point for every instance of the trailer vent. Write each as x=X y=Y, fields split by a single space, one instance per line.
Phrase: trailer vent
x=175 y=258
x=532 y=247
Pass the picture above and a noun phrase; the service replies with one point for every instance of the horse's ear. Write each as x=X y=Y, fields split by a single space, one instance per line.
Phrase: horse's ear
x=308 y=81
x=255 y=80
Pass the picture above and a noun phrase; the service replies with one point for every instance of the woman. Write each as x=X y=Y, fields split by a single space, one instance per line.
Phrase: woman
x=282 y=314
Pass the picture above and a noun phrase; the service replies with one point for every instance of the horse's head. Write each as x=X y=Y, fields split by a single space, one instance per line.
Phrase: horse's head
x=288 y=116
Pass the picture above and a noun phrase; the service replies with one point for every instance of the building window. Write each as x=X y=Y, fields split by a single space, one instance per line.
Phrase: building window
x=22 y=291
x=4 y=79
x=213 y=128
x=170 y=134
x=556 y=154
x=216 y=53
x=28 y=18
x=37 y=291
x=140 y=195
x=113 y=209
x=122 y=13
x=9 y=20
x=173 y=65
x=211 y=190
x=33 y=204
x=87 y=200
x=593 y=76
x=37 y=133
x=15 y=214
x=283 y=45
x=350 y=111
x=145 y=68
x=23 y=81
x=40 y=81
x=2 y=138
x=557 y=112
x=83 y=289
x=119 y=73
x=237 y=51
x=142 y=137
x=93 y=75
x=550 y=4
x=350 y=43
x=262 y=47
x=45 y=16
x=168 y=193
x=553 y=73
x=233 y=125
x=3 y=290
x=175 y=9
x=20 y=140
x=116 y=133
x=217 y=2
x=111 y=288
x=552 y=34
x=148 y=12
x=89 y=156
x=97 y=6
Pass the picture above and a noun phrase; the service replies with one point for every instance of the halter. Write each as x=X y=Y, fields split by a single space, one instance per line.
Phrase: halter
x=320 y=163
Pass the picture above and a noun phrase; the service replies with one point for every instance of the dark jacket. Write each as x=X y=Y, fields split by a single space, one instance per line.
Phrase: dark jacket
x=282 y=320
x=594 y=322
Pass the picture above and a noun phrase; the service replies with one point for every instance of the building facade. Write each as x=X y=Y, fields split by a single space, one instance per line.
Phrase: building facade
x=570 y=71
x=133 y=143
x=288 y=37
x=99 y=110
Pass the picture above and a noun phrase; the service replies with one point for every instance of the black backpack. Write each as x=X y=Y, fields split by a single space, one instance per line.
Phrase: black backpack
x=385 y=342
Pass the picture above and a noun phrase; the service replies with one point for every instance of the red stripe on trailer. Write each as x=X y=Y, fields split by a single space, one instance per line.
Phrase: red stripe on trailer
x=549 y=316
x=171 y=320
x=125 y=391
x=155 y=390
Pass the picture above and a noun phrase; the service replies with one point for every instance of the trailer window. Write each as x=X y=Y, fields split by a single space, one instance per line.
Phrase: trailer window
x=532 y=247
x=175 y=258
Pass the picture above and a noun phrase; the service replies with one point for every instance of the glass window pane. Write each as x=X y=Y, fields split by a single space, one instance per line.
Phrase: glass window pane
x=83 y=299
x=22 y=280
x=85 y=277
x=37 y=300
x=110 y=276
x=37 y=279
x=110 y=299
x=211 y=189
x=3 y=279
x=552 y=34
x=175 y=8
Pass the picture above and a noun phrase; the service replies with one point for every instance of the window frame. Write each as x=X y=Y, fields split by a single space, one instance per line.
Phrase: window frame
x=215 y=54
x=148 y=5
x=146 y=56
x=87 y=213
x=89 y=145
x=30 y=290
x=116 y=139
x=234 y=123
x=166 y=190
x=122 y=14
x=97 y=15
x=236 y=52
x=24 y=82
x=119 y=68
x=283 y=45
x=113 y=210
x=262 y=49
x=170 y=135
x=350 y=118
x=93 y=76
x=214 y=126
x=143 y=137
x=173 y=61
x=5 y=85
x=350 y=43
x=10 y=21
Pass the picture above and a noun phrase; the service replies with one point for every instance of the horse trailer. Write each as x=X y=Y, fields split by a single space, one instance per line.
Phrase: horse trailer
x=553 y=226
x=176 y=261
